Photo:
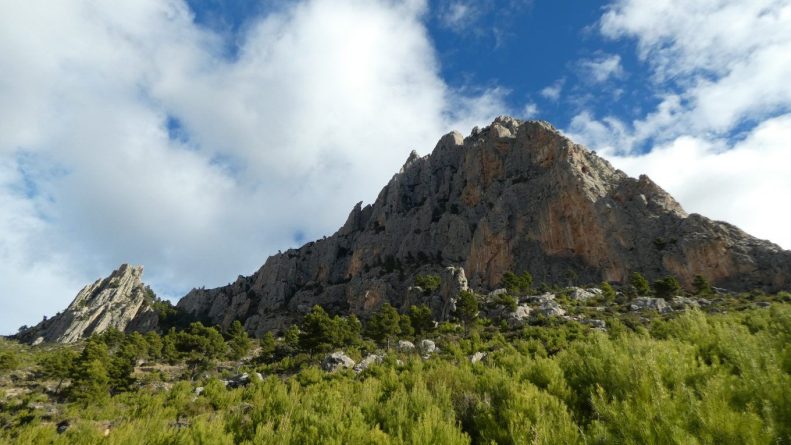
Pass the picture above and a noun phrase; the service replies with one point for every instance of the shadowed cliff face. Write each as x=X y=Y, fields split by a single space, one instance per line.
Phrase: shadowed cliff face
x=514 y=196
x=118 y=301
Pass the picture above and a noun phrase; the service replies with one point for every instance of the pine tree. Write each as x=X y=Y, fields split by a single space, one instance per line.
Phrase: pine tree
x=384 y=325
x=239 y=342
x=58 y=365
x=639 y=284
x=467 y=308
x=666 y=287
x=702 y=286
x=421 y=319
x=607 y=291
x=91 y=381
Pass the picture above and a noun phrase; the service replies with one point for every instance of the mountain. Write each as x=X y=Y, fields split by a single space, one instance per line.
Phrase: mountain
x=513 y=196
x=119 y=301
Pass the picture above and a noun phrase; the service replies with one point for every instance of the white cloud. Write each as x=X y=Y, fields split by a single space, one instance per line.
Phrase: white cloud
x=717 y=140
x=457 y=14
x=529 y=111
x=552 y=92
x=323 y=103
x=725 y=74
x=745 y=183
x=602 y=68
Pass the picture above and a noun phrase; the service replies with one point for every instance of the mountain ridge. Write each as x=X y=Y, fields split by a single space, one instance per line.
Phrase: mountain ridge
x=513 y=196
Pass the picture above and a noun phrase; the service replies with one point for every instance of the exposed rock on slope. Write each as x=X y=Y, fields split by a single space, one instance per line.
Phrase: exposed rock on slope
x=118 y=301
x=513 y=196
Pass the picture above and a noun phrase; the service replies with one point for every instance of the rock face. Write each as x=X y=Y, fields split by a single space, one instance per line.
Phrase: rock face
x=514 y=196
x=118 y=301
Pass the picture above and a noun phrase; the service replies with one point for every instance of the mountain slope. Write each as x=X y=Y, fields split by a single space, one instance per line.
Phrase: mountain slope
x=118 y=301
x=513 y=196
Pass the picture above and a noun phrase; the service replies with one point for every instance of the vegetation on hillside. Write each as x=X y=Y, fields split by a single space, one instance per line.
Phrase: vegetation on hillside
x=714 y=377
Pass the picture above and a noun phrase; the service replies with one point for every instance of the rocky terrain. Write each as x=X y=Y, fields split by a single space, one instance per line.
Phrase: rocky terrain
x=513 y=196
x=118 y=301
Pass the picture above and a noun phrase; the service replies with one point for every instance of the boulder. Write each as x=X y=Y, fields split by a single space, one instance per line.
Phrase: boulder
x=452 y=283
x=596 y=324
x=518 y=317
x=477 y=357
x=580 y=294
x=335 y=361
x=369 y=360
x=550 y=309
x=650 y=303
x=680 y=302
x=427 y=347
x=405 y=346
x=538 y=299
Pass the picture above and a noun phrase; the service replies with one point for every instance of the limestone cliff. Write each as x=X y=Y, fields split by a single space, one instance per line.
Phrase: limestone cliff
x=118 y=301
x=513 y=196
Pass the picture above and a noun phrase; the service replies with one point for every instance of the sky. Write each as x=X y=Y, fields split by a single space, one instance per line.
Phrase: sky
x=199 y=137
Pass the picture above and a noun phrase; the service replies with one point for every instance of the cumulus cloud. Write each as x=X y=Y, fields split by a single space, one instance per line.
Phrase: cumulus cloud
x=128 y=135
x=744 y=182
x=718 y=137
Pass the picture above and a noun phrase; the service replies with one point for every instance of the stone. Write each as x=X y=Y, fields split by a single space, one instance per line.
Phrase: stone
x=335 y=361
x=63 y=426
x=518 y=317
x=580 y=294
x=120 y=301
x=538 y=299
x=405 y=346
x=427 y=348
x=650 y=303
x=452 y=283
x=477 y=357
x=550 y=309
x=680 y=302
x=516 y=195
x=369 y=360
x=596 y=324
x=238 y=381
x=199 y=390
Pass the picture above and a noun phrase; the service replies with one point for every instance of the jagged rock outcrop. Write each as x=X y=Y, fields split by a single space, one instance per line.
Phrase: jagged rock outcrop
x=514 y=196
x=118 y=301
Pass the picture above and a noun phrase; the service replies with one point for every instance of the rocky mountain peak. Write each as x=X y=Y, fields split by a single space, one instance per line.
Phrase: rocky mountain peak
x=118 y=301
x=512 y=196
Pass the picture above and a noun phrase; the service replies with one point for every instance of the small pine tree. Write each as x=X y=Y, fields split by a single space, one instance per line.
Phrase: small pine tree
x=666 y=287
x=639 y=284
x=91 y=381
x=267 y=343
x=319 y=332
x=291 y=336
x=467 y=308
x=702 y=286
x=239 y=342
x=517 y=284
x=421 y=318
x=154 y=342
x=58 y=365
x=405 y=324
x=429 y=283
x=607 y=292
x=384 y=325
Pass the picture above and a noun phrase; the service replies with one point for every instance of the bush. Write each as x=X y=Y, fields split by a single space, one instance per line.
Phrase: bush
x=667 y=287
x=517 y=284
x=429 y=283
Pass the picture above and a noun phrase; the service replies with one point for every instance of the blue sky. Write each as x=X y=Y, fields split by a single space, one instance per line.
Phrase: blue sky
x=199 y=137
